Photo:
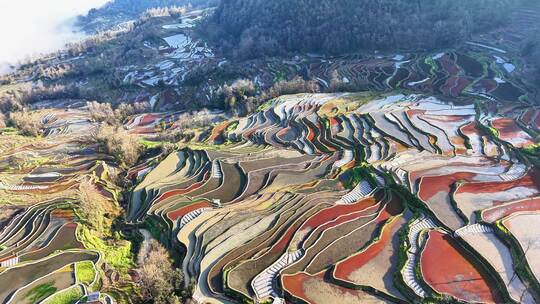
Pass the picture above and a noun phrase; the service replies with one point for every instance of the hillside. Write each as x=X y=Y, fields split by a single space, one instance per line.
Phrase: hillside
x=316 y=196
x=259 y=27
x=118 y=11
x=148 y=164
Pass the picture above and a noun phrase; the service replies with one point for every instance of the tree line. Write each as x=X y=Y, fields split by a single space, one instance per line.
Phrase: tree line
x=127 y=9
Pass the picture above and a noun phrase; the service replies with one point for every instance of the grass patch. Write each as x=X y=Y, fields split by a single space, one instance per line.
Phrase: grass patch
x=26 y=164
x=40 y=292
x=494 y=132
x=84 y=272
x=532 y=154
x=431 y=62
x=232 y=127
x=68 y=296
x=9 y=130
x=533 y=150
x=147 y=144
x=266 y=105
x=119 y=255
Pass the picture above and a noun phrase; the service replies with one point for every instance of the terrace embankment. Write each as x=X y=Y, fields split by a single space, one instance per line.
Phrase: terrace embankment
x=304 y=193
x=43 y=182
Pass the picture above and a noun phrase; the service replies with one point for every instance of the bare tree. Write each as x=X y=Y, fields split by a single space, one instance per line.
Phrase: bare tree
x=2 y=120
x=117 y=142
x=91 y=205
x=101 y=112
x=160 y=282
x=294 y=86
x=29 y=124
x=125 y=110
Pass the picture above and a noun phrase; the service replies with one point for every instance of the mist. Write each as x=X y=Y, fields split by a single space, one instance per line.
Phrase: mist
x=33 y=27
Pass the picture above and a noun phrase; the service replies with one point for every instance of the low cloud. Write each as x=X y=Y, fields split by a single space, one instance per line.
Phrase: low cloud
x=30 y=27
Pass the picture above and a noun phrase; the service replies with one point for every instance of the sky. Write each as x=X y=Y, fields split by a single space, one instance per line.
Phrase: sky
x=30 y=27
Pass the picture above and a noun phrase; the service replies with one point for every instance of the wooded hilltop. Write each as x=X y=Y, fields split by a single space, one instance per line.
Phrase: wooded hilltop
x=250 y=28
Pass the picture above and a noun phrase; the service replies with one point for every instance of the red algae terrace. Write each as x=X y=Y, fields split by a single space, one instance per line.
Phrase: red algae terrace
x=456 y=276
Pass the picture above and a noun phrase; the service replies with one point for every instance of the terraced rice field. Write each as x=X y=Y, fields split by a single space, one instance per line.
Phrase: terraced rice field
x=520 y=225
x=374 y=197
x=320 y=197
x=457 y=276
x=314 y=198
x=40 y=178
x=317 y=197
x=477 y=68
x=420 y=189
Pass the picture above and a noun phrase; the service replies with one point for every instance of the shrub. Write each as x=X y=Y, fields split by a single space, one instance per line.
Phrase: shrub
x=195 y=119
x=117 y=142
x=244 y=87
x=167 y=148
x=101 y=112
x=16 y=99
x=173 y=11
x=28 y=124
x=242 y=97
x=239 y=90
x=340 y=84
x=9 y=102
x=294 y=86
x=175 y=136
x=125 y=110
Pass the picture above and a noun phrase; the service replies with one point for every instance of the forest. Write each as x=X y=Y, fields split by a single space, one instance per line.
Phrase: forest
x=531 y=54
x=250 y=28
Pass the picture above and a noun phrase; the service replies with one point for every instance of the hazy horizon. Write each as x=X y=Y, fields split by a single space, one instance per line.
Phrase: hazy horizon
x=30 y=27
